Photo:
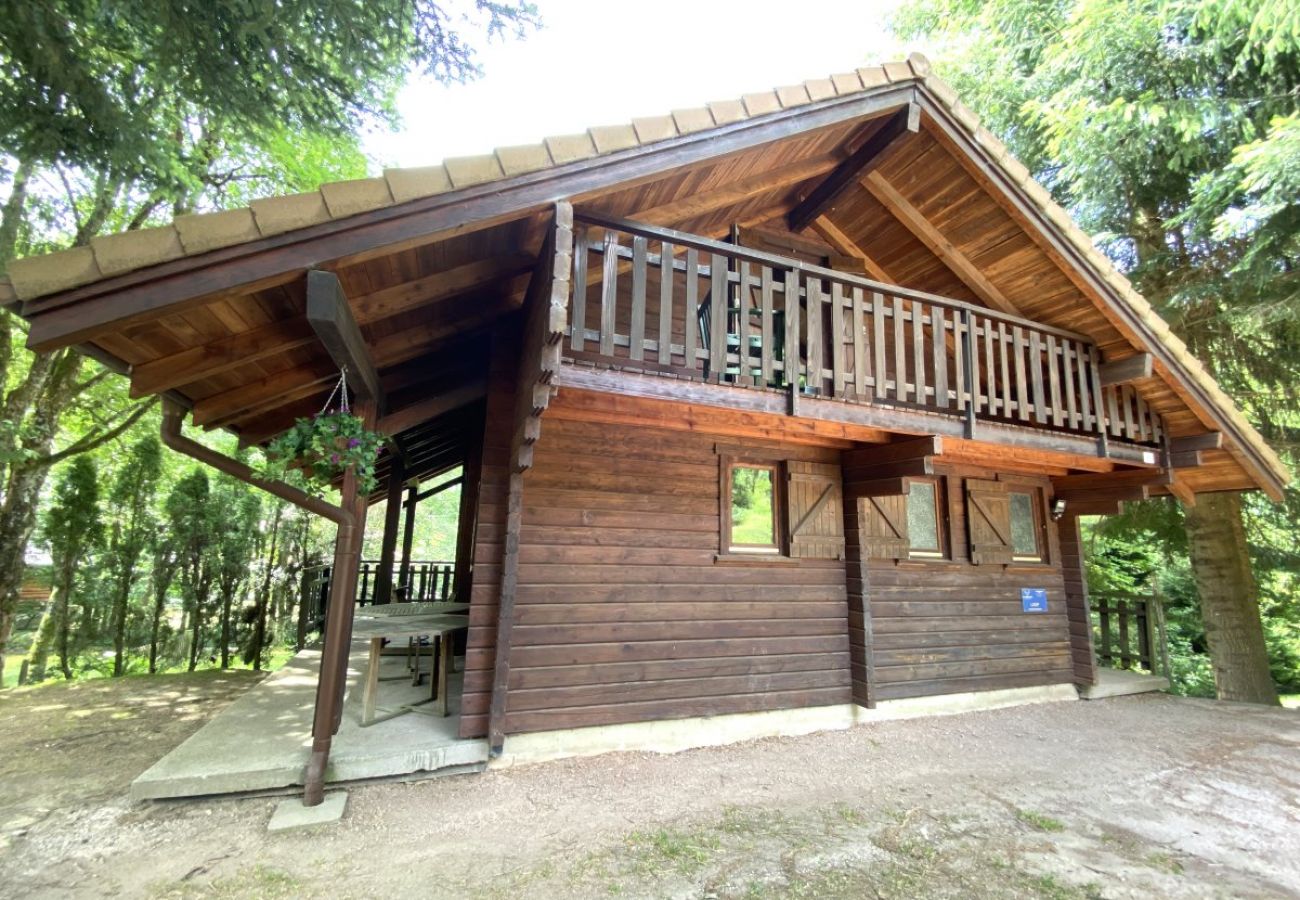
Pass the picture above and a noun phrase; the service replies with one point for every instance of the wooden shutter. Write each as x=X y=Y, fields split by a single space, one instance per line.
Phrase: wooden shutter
x=988 y=519
x=815 y=510
x=882 y=527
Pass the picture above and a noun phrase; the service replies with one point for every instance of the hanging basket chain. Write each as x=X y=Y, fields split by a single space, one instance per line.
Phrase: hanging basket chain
x=340 y=390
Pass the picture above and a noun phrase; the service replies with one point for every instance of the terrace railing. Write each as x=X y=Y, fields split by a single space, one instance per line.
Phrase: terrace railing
x=1129 y=632
x=658 y=300
x=423 y=580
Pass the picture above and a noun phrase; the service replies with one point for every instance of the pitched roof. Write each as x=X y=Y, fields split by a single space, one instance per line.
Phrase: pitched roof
x=191 y=235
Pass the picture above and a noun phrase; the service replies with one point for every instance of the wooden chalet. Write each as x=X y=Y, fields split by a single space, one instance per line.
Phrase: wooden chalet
x=765 y=409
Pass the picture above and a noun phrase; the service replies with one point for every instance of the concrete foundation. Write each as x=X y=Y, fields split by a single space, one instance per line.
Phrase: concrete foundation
x=674 y=735
x=290 y=814
x=1120 y=682
x=262 y=741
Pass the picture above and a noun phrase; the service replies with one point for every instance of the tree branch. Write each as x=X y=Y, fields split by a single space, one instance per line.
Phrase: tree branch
x=90 y=442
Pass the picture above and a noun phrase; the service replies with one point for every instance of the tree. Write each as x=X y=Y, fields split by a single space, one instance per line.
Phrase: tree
x=234 y=543
x=71 y=526
x=1144 y=118
x=192 y=529
x=131 y=527
x=113 y=117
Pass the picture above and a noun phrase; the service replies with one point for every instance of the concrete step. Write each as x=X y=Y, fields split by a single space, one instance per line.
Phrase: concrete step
x=1119 y=683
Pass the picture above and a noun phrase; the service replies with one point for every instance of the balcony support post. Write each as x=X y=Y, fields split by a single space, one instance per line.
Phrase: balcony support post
x=968 y=366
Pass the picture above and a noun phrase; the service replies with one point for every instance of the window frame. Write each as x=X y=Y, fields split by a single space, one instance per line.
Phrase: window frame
x=1037 y=511
x=940 y=523
x=727 y=548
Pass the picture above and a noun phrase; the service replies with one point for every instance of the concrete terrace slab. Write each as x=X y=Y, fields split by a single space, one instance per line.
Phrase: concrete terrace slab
x=262 y=741
x=290 y=814
x=1120 y=682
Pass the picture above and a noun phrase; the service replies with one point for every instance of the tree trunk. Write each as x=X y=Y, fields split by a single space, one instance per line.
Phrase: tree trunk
x=159 y=602
x=1229 y=599
x=38 y=656
x=63 y=609
x=227 y=598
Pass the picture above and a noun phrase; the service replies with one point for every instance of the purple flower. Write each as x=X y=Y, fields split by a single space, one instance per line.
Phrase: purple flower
x=354 y=442
x=334 y=458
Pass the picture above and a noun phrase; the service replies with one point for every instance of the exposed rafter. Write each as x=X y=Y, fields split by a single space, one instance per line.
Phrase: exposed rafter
x=431 y=407
x=846 y=246
x=1123 y=371
x=331 y=318
x=871 y=154
x=924 y=231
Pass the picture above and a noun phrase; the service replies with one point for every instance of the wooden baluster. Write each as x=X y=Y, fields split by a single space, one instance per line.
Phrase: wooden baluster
x=793 y=354
x=1068 y=362
x=880 y=371
x=1143 y=432
x=918 y=352
x=813 y=288
x=743 y=299
x=838 y=375
x=1103 y=615
x=939 y=347
x=990 y=370
x=718 y=317
x=1087 y=418
x=1022 y=383
x=608 y=293
x=1112 y=406
x=1125 y=654
x=1130 y=427
x=768 y=338
x=691 y=338
x=966 y=363
x=666 y=277
x=1004 y=370
x=636 y=334
x=1098 y=399
x=1036 y=375
x=1054 y=380
x=578 y=333
x=900 y=352
x=859 y=324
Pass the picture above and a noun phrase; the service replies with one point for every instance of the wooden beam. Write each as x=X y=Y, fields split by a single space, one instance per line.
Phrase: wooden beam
x=1123 y=371
x=432 y=407
x=68 y=318
x=847 y=246
x=196 y=363
x=400 y=298
x=1210 y=440
x=897 y=451
x=1108 y=480
x=1182 y=491
x=331 y=318
x=1186 y=459
x=273 y=390
x=921 y=228
x=701 y=204
x=871 y=154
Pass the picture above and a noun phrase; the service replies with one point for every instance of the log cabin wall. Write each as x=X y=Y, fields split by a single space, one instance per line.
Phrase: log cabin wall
x=489 y=530
x=949 y=626
x=623 y=614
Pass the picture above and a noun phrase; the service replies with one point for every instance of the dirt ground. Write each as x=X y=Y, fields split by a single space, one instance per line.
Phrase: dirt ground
x=1137 y=797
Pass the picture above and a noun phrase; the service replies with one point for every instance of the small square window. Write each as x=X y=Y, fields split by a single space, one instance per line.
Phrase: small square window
x=1026 y=527
x=924 y=532
x=752 y=515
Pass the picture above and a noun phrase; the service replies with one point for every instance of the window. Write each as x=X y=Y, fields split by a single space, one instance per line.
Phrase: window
x=1026 y=527
x=925 y=535
x=752 y=519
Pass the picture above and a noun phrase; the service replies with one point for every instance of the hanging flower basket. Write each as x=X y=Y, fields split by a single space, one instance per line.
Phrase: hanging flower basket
x=326 y=445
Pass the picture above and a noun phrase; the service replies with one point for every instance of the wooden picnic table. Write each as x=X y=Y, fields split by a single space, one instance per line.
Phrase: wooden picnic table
x=376 y=628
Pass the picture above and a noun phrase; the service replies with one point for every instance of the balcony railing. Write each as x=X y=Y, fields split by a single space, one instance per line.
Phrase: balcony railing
x=657 y=300
x=422 y=580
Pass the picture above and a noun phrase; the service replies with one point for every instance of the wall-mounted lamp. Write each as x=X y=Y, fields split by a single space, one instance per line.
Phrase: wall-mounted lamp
x=1058 y=509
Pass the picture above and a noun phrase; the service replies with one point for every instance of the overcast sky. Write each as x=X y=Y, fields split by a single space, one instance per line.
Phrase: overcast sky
x=600 y=63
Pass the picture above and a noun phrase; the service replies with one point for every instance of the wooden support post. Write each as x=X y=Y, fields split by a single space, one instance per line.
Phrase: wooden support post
x=467 y=520
x=408 y=536
x=388 y=548
x=338 y=628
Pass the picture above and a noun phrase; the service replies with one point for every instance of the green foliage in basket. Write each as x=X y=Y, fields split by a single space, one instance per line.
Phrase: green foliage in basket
x=324 y=446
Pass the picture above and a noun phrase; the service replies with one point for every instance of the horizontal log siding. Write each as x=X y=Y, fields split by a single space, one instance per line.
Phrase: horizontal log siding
x=1076 y=599
x=948 y=627
x=485 y=590
x=622 y=613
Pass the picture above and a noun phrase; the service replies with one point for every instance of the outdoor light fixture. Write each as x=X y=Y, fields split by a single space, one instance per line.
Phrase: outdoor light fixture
x=1058 y=509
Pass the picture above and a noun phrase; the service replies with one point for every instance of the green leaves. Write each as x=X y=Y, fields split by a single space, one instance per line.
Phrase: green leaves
x=326 y=446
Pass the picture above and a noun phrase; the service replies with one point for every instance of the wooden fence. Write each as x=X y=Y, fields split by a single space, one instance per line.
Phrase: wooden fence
x=665 y=301
x=420 y=580
x=1129 y=632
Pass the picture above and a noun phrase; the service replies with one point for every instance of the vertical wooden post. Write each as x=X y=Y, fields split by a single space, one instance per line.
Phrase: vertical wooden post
x=388 y=548
x=968 y=370
x=467 y=520
x=408 y=537
x=338 y=628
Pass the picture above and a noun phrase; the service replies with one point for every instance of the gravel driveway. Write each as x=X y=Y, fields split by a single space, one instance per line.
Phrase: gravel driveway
x=1132 y=797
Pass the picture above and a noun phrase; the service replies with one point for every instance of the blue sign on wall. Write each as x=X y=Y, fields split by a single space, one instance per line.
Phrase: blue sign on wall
x=1033 y=599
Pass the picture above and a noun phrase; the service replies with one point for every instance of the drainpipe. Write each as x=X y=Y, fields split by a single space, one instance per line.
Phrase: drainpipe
x=329 y=694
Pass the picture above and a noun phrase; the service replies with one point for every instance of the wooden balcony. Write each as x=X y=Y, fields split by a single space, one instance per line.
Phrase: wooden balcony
x=656 y=301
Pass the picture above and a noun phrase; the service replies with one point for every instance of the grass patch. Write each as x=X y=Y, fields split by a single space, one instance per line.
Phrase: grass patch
x=1290 y=701
x=1039 y=821
x=262 y=882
